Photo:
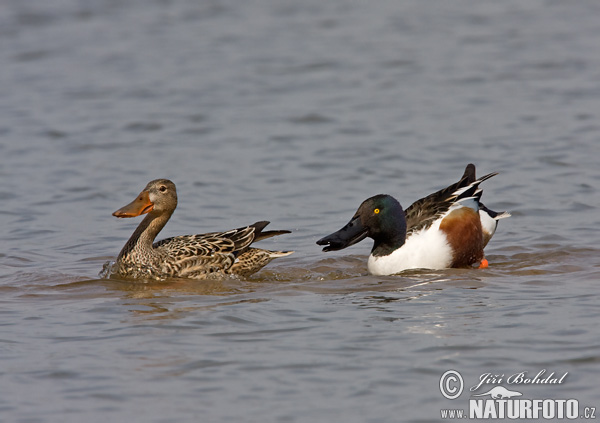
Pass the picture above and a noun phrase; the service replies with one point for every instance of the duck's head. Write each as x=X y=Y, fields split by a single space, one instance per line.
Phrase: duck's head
x=159 y=196
x=380 y=217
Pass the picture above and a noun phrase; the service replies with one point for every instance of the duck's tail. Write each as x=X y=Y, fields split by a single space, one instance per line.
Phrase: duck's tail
x=259 y=234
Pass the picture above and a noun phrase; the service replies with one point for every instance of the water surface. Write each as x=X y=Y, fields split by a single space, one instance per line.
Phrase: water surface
x=293 y=112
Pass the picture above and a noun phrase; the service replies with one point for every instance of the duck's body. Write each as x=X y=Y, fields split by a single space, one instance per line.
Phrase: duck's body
x=448 y=228
x=187 y=256
x=427 y=249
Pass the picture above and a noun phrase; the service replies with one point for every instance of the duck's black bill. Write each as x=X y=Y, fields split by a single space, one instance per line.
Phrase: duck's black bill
x=349 y=235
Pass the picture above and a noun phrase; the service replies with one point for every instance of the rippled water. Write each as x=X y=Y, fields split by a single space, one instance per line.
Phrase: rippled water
x=293 y=112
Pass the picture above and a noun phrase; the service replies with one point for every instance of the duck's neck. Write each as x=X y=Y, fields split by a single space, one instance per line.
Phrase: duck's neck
x=142 y=238
x=391 y=237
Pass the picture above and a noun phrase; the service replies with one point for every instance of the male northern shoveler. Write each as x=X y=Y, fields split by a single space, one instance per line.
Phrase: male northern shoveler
x=187 y=256
x=448 y=228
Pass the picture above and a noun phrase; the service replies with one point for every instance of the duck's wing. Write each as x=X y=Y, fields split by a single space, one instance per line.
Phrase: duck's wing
x=197 y=255
x=423 y=212
x=207 y=244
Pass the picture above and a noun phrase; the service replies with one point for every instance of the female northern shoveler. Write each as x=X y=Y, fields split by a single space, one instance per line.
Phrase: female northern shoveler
x=448 y=228
x=187 y=256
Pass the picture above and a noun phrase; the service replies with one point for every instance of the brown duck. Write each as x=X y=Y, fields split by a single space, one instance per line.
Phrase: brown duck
x=186 y=256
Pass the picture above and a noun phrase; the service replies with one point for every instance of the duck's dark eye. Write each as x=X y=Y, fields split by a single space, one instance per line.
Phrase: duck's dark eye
x=162 y=188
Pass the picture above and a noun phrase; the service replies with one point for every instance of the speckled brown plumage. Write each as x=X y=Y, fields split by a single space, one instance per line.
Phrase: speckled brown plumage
x=186 y=256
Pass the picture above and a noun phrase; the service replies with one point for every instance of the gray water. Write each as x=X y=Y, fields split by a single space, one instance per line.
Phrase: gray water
x=293 y=112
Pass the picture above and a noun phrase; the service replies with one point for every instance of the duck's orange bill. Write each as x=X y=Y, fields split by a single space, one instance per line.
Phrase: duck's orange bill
x=140 y=205
x=484 y=264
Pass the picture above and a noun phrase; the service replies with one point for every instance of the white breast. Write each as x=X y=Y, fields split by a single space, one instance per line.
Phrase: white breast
x=427 y=249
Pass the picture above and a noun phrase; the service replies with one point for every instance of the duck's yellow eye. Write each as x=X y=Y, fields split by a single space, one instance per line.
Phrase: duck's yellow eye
x=376 y=211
